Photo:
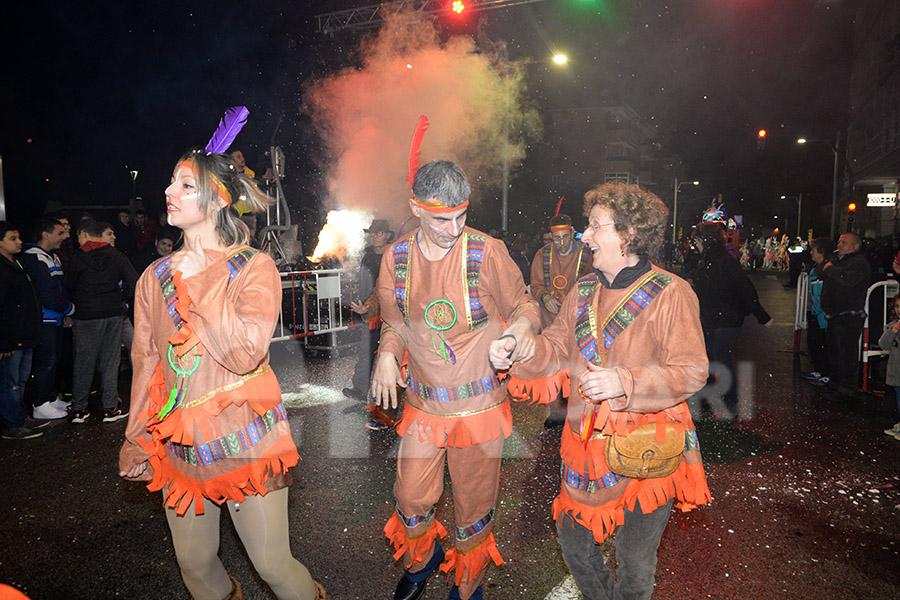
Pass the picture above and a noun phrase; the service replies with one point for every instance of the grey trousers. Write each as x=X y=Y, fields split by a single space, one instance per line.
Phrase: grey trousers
x=637 y=541
x=97 y=345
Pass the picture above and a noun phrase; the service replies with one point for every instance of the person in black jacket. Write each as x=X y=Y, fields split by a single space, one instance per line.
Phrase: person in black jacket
x=20 y=332
x=96 y=276
x=726 y=296
x=846 y=281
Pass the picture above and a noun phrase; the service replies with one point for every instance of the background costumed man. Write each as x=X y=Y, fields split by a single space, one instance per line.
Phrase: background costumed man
x=555 y=269
x=446 y=292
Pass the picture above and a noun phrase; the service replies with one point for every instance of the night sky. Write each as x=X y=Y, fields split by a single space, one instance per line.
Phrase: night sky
x=92 y=90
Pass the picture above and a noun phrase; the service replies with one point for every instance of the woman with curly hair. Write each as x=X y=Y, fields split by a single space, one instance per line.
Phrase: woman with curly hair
x=629 y=341
x=207 y=426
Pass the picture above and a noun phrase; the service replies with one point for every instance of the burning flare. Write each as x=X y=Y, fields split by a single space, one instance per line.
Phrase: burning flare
x=341 y=237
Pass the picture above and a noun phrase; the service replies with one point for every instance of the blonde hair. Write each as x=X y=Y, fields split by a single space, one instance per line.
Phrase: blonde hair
x=230 y=229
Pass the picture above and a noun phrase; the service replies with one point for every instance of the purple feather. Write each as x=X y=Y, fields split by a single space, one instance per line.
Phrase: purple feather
x=231 y=124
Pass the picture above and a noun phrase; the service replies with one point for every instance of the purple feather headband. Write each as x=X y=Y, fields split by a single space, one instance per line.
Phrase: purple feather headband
x=231 y=124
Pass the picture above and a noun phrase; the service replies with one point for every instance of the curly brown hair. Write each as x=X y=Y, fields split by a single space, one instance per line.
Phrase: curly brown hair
x=634 y=210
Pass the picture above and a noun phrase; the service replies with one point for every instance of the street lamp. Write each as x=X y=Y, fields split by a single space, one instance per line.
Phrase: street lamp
x=677 y=187
x=558 y=59
x=799 y=200
x=834 y=184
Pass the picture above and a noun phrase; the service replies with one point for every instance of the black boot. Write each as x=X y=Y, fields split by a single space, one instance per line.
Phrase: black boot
x=412 y=585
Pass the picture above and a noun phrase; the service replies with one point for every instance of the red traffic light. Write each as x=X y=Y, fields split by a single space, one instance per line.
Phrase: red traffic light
x=851 y=207
x=457 y=6
x=761 y=134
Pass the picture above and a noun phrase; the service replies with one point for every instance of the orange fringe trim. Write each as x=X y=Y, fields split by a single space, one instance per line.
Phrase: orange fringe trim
x=470 y=563
x=458 y=432
x=261 y=391
x=417 y=547
x=600 y=520
x=687 y=485
x=542 y=390
x=236 y=484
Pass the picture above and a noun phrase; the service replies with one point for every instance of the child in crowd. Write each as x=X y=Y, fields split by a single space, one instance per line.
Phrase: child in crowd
x=889 y=340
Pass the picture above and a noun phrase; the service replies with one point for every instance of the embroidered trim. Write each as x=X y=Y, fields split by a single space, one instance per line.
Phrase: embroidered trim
x=232 y=444
x=581 y=267
x=162 y=269
x=607 y=480
x=401 y=276
x=464 y=413
x=226 y=388
x=473 y=251
x=464 y=533
x=645 y=291
x=238 y=260
x=472 y=258
x=583 y=482
x=460 y=392
x=415 y=520
x=163 y=272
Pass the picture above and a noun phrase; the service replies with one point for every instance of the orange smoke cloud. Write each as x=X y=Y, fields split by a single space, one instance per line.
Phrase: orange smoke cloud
x=367 y=115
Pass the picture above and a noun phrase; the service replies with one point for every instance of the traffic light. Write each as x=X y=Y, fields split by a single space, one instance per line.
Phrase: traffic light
x=761 y=139
x=851 y=212
x=457 y=6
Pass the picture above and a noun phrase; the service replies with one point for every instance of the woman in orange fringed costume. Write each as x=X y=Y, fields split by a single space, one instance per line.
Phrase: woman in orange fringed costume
x=207 y=425
x=629 y=340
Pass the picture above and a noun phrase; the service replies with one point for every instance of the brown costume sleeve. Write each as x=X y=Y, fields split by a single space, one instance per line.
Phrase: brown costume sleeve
x=144 y=360
x=236 y=334
x=393 y=329
x=677 y=367
x=510 y=295
x=538 y=285
x=552 y=347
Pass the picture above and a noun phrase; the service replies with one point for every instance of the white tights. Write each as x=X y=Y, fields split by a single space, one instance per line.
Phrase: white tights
x=262 y=524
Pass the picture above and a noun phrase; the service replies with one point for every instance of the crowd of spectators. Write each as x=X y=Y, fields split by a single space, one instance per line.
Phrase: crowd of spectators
x=65 y=313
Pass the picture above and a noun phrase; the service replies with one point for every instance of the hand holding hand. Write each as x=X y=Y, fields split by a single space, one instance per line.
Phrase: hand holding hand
x=599 y=383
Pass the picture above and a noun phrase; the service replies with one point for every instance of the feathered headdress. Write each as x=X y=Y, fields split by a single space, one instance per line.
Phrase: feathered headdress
x=415 y=147
x=229 y=126
x=559 y=205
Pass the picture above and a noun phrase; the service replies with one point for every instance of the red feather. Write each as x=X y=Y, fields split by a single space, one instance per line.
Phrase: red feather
x=415 y=147
x=559 y=205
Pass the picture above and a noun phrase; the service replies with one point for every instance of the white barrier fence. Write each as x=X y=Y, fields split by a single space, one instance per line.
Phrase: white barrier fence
x=886 y=289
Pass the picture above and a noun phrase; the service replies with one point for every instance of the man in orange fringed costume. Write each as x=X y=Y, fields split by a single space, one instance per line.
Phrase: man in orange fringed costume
x=555 y=269
x=628 y=337
x=446 y=292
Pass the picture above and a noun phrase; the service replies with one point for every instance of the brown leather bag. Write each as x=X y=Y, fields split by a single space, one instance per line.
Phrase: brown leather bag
x=640 y=456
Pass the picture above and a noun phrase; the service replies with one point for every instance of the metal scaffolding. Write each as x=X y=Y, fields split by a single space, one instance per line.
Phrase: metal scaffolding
x=373 y=15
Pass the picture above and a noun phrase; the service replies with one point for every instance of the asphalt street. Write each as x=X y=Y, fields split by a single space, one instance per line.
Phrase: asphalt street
x=806 y=496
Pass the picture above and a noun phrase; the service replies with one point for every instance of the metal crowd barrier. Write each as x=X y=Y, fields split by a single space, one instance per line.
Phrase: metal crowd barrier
x=880 y=309
x=891 y=288
x=316 y=303
x=801 y=307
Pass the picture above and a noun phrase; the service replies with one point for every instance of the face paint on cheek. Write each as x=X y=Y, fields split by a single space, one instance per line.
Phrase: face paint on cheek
x=190 y=196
